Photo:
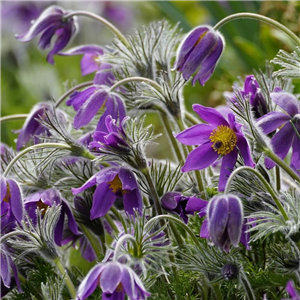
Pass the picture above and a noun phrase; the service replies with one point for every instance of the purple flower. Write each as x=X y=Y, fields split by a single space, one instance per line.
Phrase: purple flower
x=181 y=205
x=89 y=101
x=90 y=61
x=119 y=14
x=115 y=280
x=290 y=288
x=51 y=23
x=7 y=265
x=225 y=217
x=217 y=139
x=199 y=52
x=12 y=210
x=45 y=199
x=288 y=134
x=114 y=137
x=113 y=183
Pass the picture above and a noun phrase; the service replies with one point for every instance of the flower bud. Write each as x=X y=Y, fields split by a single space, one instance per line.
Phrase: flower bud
x=230 y=271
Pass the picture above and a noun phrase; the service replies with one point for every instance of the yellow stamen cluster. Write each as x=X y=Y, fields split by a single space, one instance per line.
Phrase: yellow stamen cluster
x=115 y=184
x=223 y=139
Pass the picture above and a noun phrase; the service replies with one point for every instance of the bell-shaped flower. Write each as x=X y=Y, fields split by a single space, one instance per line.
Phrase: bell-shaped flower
x=12 y=208
x=199 y=52
x=48 y=198
x=220 y=138
x=288 y=123
x=51 y=22
x=181 y=205
x=113 y=183
x=90 y=61
x=225 y=217
x=115 y=280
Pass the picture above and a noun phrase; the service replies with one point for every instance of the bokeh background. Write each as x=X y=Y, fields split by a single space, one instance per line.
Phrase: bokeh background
x=26 y=78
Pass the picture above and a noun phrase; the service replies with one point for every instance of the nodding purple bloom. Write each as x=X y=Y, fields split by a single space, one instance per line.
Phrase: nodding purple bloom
x=290 y=288
x=113 y=183
x=181 y=205
x=113 y=138
x=288 y=134
x=89 y=101
x=217 y=139
x=199 y=52
x=225 y=217
x=7 y=265
x=48 y=198
x=12 y=208
x=51 y=23
x=115 y=280
x=90 y=61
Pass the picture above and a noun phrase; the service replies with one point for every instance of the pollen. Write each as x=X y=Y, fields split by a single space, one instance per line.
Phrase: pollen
x=223 y=139
x=115 y=184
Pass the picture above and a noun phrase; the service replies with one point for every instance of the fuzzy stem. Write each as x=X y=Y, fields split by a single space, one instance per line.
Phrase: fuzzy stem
x=126 y=237
x=47 y=145
x=264 y=182
x=13 y=117
x=111 y=223
x=277 y=178
x=70 y=91
x=95 y=244
x=193 y=120
x=247 y=287
x=67 y=278
x=141 y=79
x=103 y=21
x=282 y=164
x=261 y=18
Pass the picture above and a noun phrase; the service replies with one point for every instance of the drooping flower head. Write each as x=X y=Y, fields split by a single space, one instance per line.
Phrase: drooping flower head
x=115 y=280
x=288 y=123
x=225 y=217
x=48 y=198
x=90 y=61
x=51 y=23
x=199 y=52
x=113 y=183
x=220 y=138
x=12 y=208
x=290 y=288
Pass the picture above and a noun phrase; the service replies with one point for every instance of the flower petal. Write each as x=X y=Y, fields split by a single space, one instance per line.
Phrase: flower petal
x=288 y=102
x=110 y=277
x=128 y=179
x=195 y=204
x=168 y=201
x=295 y=162
x=77 y=99
x=16 y=200
x=271 y=121
x=244 y=150
x=210 y=115
x=5 y=269
x=200 y=158
x=128 y=282
x=132 y=200
x=227 y=166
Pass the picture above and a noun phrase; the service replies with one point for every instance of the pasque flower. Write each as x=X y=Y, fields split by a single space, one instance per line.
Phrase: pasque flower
x=113 y=183
x=290 y=288
x=48 y=198
x=12 y=208
x=289 y=133
x=199 y=52
x=225 y=217
x=220 y=138
x=51 y=23
x=115 y=280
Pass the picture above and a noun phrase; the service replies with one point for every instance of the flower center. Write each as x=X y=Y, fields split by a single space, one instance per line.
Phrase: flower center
x=42 y=207
x=115 y=184
x=223 y=139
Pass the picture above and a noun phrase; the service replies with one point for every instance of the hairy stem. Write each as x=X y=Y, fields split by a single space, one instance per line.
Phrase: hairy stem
x=13 y=118
x=126 y=237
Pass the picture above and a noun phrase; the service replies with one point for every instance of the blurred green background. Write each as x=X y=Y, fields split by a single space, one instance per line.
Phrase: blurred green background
x=26 y=78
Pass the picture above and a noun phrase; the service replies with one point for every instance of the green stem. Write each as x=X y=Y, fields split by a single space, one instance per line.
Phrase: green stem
x=46 y=145
x=140 y=79
x=90 y=236
x=247 y=287
x=282 y=164
x=126 y=237
x=13 y=117
x=277 y=177
x=67 y=278
x=261 y=18
x=70 y=91
x=193 y=120
x=111 y=223
x=264 y=182
x=103 y=21
x=177 y=235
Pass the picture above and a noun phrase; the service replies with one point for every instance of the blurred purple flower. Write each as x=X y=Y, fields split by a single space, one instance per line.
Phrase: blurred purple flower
x=48 y=198
x=51 y=23
x=219 y=138
x=181 y=205
x=113 y=183
x=118 y=14
x=290 y=288
x=115 y=280
x=12 y=208
x=90 y=61
x=199 y=52
x=289 y=133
